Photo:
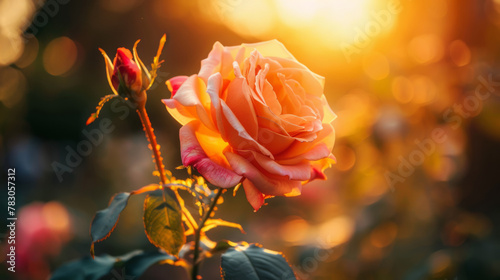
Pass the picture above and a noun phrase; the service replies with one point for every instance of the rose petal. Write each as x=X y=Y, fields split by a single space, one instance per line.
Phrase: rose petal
x=250 y=66
x=254 y=196
x=238 y=100
x=228 y=125
x=275 y=186
x=317 y=174
x=289 y=63
x=180 y=113
x=329 y=115
x=211 y=64
x=273 y=141
x=193 y=93
x=300 y=171
x=237 y=135
x=213 y=91
x=219 y=60
x=299 y=150
x=193 y=154
x=319 y=152
x=319 y=166
x=272 y=48
x=270 y=120
x=289 y=101
x=266 y=91
x=305 y=77
x=175 y=83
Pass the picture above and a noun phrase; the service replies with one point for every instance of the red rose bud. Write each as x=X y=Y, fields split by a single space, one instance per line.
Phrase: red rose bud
x=127 y=76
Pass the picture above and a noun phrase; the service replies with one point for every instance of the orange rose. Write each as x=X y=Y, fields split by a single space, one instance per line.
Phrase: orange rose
x=254 y=114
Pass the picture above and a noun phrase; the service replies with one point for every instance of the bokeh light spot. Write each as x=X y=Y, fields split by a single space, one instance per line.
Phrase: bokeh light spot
x=14 y=16
x=460 y=53
x=294 y=230
x=336 y=231
x=56 y=216
x=376 y=66
x=425 y=89
x=12 y=48
x=12 y=86
x=426 y=48
x=357 y=113
x=347 y=156
x=439 y=8
x=29 y=54
x=402 y=89
x=384 y=235
x=60 y=56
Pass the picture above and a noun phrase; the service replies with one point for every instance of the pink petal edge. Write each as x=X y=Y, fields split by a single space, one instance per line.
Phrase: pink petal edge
x=192 y=154
x=175 y=83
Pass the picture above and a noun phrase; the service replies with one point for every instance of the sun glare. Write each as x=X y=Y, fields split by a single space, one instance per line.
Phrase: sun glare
x=340 y=19
x=347 y=12
x=296 y=13
x=329 y=22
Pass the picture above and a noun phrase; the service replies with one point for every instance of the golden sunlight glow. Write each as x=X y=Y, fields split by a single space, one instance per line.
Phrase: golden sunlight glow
x=247 y=18
x=348 y=12
x=295 y=13
x=331 y=23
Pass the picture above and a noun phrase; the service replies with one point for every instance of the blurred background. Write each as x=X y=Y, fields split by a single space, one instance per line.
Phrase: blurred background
x=415 y=192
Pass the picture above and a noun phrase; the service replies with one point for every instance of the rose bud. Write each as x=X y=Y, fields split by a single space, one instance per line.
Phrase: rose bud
x=128 y=77
x=125 y=72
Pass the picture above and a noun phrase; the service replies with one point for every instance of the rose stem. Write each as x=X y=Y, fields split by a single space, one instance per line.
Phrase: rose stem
x=150 y=135
x=194 y=273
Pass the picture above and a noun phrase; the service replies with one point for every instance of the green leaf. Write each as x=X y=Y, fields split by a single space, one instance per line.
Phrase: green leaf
x=163 y=221
x=210 y=247
x=137 y=265
x=252 y=262
x=222 y=246
x=105 y=220
x=85 y=268
x=129 y=266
